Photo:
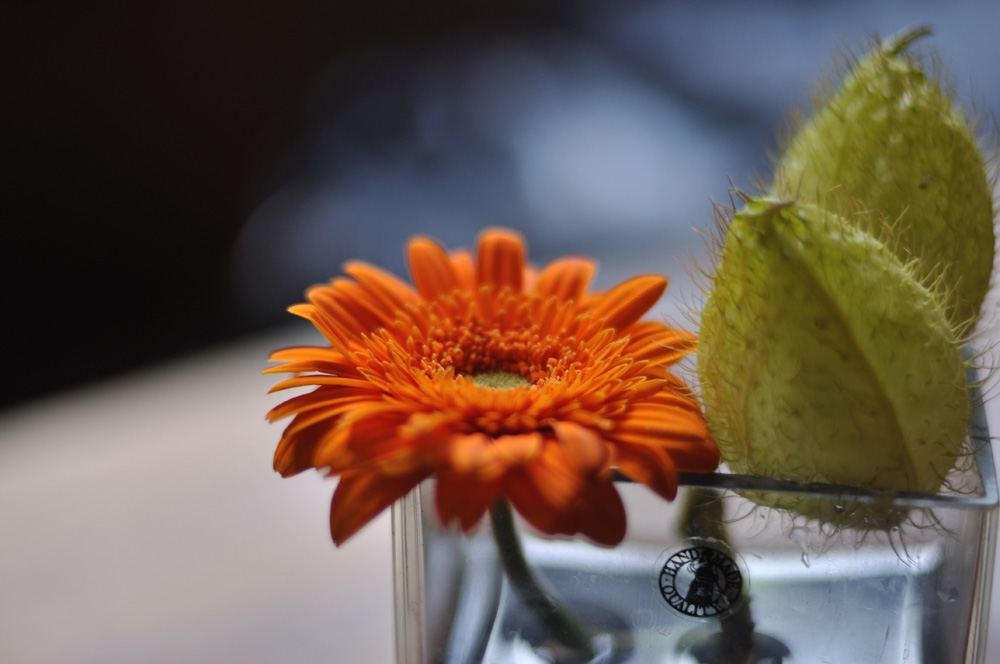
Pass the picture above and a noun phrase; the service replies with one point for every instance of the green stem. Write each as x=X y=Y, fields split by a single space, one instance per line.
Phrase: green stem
x=556 y=620
x=703 y=517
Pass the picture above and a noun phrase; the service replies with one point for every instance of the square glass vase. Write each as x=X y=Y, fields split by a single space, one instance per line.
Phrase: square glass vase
x=737 y=569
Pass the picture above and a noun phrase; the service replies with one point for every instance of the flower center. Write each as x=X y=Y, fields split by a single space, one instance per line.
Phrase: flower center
x=500 y=380
x=496 y=341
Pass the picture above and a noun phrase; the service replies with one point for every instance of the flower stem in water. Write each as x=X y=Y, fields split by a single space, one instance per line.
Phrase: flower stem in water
x=557 y=621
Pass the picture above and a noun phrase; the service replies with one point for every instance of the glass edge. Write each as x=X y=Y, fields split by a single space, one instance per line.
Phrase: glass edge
x=980 y=619
x=982 y=451
x=408 y=579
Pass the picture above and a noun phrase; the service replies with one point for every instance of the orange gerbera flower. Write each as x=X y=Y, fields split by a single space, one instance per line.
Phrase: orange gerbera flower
x=497 y=380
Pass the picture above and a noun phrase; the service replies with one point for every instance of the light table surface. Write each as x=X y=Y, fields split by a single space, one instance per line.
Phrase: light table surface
x=140 y=522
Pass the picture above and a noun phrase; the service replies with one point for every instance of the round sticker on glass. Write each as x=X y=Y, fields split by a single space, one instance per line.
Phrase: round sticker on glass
x=701 y=580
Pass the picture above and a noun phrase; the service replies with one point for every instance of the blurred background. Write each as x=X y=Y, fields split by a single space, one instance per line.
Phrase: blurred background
x=178 y=173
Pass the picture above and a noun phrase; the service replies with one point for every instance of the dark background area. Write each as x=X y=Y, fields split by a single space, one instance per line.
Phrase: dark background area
x=139 y=137
x=177 y=173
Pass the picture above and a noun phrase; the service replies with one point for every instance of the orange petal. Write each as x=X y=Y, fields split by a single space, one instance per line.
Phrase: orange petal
x=666 y=347
x=691 y=453
x=648 y=389
x=500 y=259
x=306 y=354
x=565 y=278
x=530 y=278
x=432 y=271
x=697 y=456
x=331 y=410
x=353 y=306
x=553 y=474
x=296 y=449
x=584 y=448
x=599 y=513
x=326 y=300
x=369 y=434
x=556 y=501
x=627 y=302
x=328 y=327
x=645 y=330
x=663 y=422
x=665 y=398
x=322 y=379
x=303 y=310
x=463 y=498
x=465 y=269
x=468 y=453
x=361 y=496
x=321 y=366
x=527 y=499
x=486 y=459
x=320 y=398
x=393 y=291
x=650 y=466
x=516 y=449
x=303 y=359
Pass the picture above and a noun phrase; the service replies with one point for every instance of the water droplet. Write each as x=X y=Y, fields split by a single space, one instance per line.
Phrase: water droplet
x=805 y=558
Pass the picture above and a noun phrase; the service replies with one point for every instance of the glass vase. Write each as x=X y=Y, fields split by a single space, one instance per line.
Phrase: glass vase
x=737 y=569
